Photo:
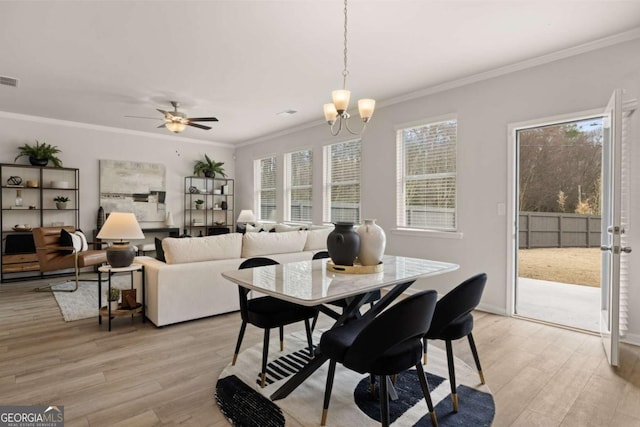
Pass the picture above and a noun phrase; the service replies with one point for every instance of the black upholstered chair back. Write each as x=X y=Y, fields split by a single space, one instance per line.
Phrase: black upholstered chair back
x=321 y=255
x=407 y=320
x=242 y=292
x=459 y=302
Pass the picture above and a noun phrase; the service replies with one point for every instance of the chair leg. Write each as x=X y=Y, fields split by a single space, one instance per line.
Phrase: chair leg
x=49 y=288
x=452 y=375
x=243 y=327
x=384 y=401
x=427 y=395
x=307 y=328
x=281 y=338
x=315 y=320
x=265 y=352
x=372 y=385
x=424 y=351
x=327 y=391
x=472 y=344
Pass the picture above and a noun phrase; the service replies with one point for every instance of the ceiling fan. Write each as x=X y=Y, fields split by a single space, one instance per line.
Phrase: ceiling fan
x=177 y=121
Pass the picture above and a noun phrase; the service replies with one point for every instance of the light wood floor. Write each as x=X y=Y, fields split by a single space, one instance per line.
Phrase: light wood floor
x=140 y=375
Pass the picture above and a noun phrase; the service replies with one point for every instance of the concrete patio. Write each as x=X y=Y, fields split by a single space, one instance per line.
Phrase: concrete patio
x=565 y=304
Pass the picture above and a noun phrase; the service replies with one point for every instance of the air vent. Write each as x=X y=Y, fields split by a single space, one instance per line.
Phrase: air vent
x=8 y=81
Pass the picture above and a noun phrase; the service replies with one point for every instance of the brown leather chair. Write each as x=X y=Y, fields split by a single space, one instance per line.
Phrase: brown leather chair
x=54 y=257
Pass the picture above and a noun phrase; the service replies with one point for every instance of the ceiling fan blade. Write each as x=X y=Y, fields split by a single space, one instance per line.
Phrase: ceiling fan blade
x=195 y=125
x=162 y=125
x=141 y=117
x=203 y=119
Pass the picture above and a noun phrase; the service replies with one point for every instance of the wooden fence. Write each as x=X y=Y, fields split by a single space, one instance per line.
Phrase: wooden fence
x=558 y=230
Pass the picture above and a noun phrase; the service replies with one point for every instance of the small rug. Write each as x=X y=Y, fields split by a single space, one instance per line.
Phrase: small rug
x=83 y=303
x=351 y=403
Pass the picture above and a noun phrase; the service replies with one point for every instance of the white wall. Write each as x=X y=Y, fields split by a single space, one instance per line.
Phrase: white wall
x=84 y=145
x=484 y=111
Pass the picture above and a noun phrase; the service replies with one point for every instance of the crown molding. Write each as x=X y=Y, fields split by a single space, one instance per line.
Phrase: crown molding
x=100 y=128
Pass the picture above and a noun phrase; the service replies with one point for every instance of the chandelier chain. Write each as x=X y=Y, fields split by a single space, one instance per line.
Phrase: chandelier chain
x=345 y=72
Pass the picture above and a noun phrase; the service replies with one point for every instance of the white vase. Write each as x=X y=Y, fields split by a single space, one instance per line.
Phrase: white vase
x=372 y=242
x=114 y=305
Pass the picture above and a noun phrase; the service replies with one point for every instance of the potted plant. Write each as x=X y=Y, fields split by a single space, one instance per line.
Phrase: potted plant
x=114 y=296
x=61 y=202
x=208 y=168
x=199 y=203
x=40 y=154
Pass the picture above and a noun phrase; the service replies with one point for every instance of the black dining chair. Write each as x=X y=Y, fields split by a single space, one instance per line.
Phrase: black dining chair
x=344 y=302
x=267 y=313
x=453 y=320
x=383 y=346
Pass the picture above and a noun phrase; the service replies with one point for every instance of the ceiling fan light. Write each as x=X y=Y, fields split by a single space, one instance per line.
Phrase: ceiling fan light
x=175 y=127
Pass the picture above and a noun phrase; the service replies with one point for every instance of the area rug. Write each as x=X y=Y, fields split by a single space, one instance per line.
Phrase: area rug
x=244 y=403
x=83 y=303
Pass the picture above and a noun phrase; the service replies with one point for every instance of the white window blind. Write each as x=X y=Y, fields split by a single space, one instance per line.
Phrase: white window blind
x=342 y=182
x=265 y=188
x=299 y=177
x=426 y=176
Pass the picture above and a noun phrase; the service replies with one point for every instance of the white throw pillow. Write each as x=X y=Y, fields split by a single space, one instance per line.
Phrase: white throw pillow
x=251 y=229
x=197 y=249
x=280 y=228
x=317 y=239
x=79 y=241
x=260 y=244
x=265 y=226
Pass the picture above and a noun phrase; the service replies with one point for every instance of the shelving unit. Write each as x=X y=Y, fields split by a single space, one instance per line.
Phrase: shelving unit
x=216 y=214
x=38 y=187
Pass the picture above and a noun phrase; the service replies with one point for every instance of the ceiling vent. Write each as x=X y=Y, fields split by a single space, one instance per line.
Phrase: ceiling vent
x=8 y=81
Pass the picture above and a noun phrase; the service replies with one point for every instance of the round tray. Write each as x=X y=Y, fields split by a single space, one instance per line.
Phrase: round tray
x=355 y=268
x=21 y=229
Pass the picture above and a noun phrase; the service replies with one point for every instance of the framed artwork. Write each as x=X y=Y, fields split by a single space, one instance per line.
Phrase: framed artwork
x=136 y=187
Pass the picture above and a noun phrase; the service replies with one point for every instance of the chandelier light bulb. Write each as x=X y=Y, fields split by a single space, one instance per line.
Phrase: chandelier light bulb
x=365 y=108
x=341 y=99
x=330 y=113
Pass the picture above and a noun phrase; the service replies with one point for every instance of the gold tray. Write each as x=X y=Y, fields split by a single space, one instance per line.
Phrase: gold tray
x=355 y=268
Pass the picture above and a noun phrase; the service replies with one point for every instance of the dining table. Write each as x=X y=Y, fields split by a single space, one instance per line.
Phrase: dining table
x=311 y=283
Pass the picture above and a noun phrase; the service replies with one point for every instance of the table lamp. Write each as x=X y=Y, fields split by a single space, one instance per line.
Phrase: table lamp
x=246 y=215
x=121 y=227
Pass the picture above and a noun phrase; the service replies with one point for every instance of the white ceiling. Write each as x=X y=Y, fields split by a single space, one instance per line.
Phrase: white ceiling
x=244 y=61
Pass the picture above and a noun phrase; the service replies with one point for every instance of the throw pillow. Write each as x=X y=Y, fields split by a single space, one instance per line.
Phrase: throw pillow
x=84 y=246
x=77 y=240
x=159 y=250
x=67 y=241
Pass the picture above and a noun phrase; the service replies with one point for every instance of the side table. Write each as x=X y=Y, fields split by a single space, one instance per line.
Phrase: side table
x=106 y=310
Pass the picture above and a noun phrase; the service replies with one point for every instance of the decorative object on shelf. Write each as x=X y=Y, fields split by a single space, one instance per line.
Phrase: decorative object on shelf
x=129 y=299
x=121 y=226
x=343 y=244
x=14 y=180
x=209 y=168
x=199 y=204
x=100 y=218
x=114 y=296
x=337 y=110
x=18 y=198
x=217 y=191
x=373 y=240
x=169 y=222
x=246 y=216
x=224 y=189
x=193 y=190
x=32 y=183
x=61 y=202
x=60 y=184
x=40 y=154
x=21 y=227
x=223 y=205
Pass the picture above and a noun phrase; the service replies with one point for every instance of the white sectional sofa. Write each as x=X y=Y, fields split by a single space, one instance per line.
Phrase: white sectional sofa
x=189 y=285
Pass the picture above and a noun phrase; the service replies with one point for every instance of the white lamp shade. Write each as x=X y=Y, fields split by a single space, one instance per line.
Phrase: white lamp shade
x=246 y=215
x=330 y=112
x=341 y=99
x=366 y=107
x=175 y=127
x=121 y=226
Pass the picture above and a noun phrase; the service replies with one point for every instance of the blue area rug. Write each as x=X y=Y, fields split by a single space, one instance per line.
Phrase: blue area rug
x=244 y=403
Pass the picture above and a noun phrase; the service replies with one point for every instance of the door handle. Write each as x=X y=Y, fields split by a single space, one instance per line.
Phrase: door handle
x=605 y=248
x=626 y=250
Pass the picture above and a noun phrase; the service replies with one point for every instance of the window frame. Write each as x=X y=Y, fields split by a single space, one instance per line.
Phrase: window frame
x=401 y=180
x=289 y=187
x=257 y=186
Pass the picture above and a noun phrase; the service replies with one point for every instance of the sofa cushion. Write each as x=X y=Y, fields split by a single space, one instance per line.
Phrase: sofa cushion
x=259 y=244
x=317 y=239
x=196 y=249
x=159 y=250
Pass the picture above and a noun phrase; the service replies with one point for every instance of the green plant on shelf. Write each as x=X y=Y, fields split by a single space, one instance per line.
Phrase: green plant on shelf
x=61 y=199
x=114 y=294
x=40 y=154
x=208 y=168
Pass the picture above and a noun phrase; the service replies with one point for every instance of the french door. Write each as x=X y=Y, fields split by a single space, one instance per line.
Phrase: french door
x=614 y=222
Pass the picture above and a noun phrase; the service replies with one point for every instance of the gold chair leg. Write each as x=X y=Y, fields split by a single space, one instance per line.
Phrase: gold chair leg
x=281 y=345
x=263 y=379
x=434 y=418
x=481 y=376
x=235 y=357
x=324 y=417
x=454 y=398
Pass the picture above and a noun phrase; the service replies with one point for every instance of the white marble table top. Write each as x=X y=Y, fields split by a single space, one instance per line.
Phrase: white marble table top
x=310 y=283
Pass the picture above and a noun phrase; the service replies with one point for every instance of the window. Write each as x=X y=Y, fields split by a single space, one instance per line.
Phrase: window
x=265 y=188
x=299 y=177
x=342 y=182
x=426 y=175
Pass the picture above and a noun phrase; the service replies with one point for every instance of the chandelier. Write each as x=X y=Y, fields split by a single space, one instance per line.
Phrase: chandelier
x=336 y=112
